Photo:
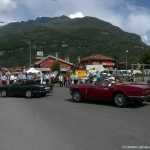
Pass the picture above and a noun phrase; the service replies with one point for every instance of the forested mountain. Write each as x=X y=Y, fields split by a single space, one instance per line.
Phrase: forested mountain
x=69 y=37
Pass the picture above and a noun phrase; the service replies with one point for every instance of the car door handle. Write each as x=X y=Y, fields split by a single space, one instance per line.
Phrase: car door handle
x=105 y=88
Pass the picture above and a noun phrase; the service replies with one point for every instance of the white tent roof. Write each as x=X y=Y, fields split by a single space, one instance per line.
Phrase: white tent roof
x=32 y=70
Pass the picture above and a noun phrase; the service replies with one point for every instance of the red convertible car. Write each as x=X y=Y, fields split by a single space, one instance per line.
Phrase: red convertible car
x=119 y=94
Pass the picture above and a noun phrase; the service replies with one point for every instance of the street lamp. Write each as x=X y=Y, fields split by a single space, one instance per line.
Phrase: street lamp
x=126 y=62
x=30 y=52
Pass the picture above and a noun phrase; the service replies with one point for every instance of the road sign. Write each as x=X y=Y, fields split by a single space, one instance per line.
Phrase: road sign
x=39 y=53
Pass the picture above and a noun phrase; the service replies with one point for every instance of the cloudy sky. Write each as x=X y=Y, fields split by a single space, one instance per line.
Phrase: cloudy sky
x=130 y=15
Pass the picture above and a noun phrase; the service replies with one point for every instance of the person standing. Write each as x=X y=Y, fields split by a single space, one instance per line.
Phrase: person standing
x=19 y=76
x=91 y=78
x=30 y=77
x=47 y=77
x=39 y=78
x=11 y=79
x=15 y=79
x=23 y=77
x=71 y=77
x=52 y=79
x=60 y=80
x=98 y=74
x=131 y=74
x=86 y=75
x=69 y=82
x=75 y=79
x=65 y=77
x=4 y=79
x=0 y=80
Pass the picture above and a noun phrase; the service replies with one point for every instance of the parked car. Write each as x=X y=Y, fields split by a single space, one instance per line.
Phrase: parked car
x=119 y=73
x=24 y=88
x=120 y=94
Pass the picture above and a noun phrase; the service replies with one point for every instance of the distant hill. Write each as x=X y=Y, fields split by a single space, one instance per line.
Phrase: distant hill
x=69 y=37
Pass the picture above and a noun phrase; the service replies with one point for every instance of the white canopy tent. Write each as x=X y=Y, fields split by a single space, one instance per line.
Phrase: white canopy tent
x=32 y=70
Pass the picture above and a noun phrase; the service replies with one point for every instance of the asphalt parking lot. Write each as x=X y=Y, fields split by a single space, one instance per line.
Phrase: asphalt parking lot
x=55 y=122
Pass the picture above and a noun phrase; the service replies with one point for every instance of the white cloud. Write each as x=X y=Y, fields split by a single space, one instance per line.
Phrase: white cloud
x=145 y=38
x=122 y=13
x=8 y=5
x=76 y=15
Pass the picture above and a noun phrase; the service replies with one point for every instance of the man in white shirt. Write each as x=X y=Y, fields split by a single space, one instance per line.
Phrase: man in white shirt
x=75 y=78
x=23 y=77
x=11 y=78
x=19 y=76
x=60 y=80
x=52 y=79
x=86 y=76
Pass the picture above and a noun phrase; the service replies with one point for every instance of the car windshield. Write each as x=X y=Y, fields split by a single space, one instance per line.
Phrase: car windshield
x=24 y=82
x=102 y=82
x=125 y=72
x=21 y=82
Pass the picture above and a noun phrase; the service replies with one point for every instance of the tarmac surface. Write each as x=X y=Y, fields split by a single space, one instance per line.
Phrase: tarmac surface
x=55 y=122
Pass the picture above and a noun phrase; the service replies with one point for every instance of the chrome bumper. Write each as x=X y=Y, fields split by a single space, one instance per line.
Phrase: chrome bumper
x=140 y=97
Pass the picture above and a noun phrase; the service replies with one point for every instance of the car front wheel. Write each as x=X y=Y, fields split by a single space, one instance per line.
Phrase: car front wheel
x=77 y=97
x=29 y=94
x=3 y=93
x=120 y=99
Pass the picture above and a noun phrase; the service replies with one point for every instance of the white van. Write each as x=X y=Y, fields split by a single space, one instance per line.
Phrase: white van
x=119 y=73
x=136 y=71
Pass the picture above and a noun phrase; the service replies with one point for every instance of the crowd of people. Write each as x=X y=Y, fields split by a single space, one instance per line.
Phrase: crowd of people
x=68 y=80
x=49 y=78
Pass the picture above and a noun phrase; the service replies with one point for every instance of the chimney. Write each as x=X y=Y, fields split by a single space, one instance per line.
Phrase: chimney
x=56 y=54
x=78 y=58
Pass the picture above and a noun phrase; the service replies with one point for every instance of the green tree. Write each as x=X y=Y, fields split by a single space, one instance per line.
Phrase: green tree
x=146 y=57
x=132 y=60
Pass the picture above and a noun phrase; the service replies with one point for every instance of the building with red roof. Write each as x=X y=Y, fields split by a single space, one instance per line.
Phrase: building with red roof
x=44 y=63
x=107 y=62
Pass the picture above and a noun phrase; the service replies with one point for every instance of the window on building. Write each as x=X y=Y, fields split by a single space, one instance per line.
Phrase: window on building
x=46 y=66
x=64 y=66
x=46 y=60
x=51 y=60
x=60 y=66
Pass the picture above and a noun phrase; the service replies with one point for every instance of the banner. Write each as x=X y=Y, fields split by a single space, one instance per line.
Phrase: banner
x=80 y=73
x=55 y=73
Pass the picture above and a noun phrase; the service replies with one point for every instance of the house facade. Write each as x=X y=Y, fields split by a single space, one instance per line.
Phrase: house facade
x=44 y=63
x=107 y=62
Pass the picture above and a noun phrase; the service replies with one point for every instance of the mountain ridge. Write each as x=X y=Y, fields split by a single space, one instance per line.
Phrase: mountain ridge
x=68 y=37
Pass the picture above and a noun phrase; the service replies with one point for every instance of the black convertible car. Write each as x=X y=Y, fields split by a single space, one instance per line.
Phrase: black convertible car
x=25 y=88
